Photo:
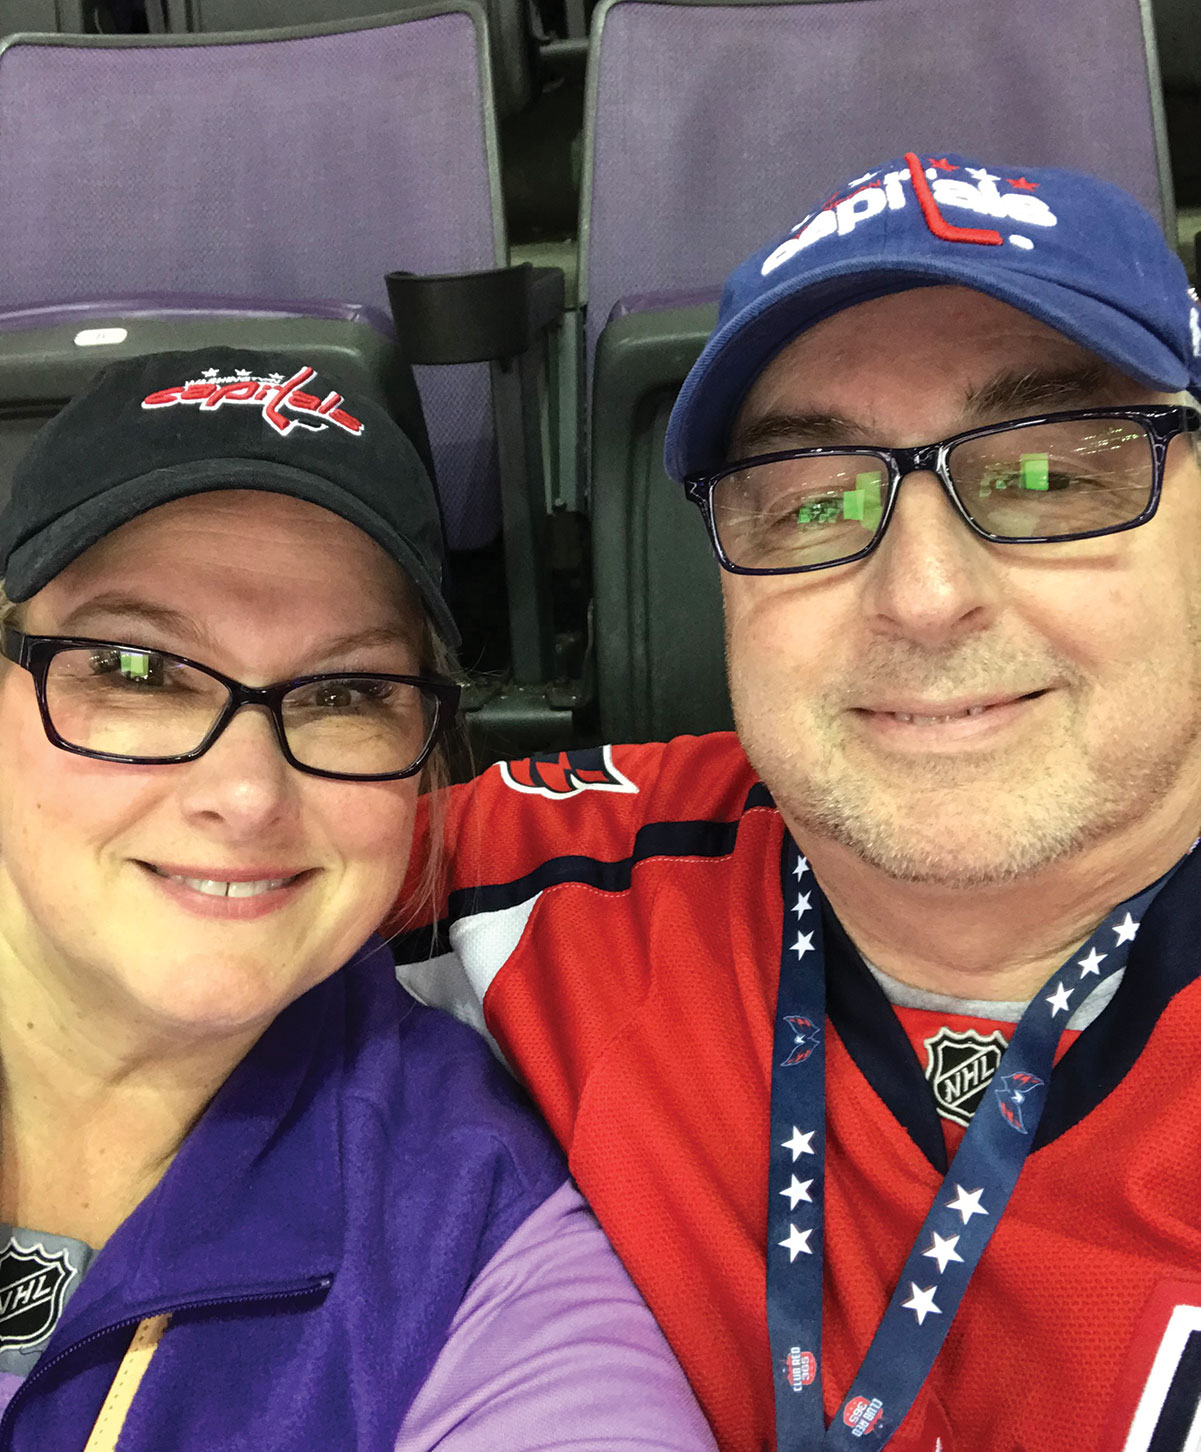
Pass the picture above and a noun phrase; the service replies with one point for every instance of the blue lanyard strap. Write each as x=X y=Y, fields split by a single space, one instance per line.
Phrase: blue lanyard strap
x=964 y=1213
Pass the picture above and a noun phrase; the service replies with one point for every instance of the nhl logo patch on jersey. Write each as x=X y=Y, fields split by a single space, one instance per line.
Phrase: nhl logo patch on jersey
x=960 y=1064
x=33 y=1283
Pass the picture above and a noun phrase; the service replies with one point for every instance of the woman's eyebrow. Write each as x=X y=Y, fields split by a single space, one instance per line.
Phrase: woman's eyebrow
x=365 y=640
x=131 y=611
x=130 y=608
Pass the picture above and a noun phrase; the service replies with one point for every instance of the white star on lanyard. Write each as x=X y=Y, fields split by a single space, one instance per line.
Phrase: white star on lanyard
x=801 y=868
x=796 y=1243
x=799 y=1144
x=798 y=1190
x=967 y=1203
x=1125 y=930
x=803 y=944
x=942 y=1249
x=921 y=1303
x=1059 y=999
x=1092 y=963
x=802 y=905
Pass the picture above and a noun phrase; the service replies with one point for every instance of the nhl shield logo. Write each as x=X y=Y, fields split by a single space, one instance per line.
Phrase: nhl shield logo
x=960 y=1064
x=33 y=1283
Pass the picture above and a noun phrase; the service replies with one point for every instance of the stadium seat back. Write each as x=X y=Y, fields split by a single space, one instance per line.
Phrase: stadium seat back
x=508 y=29
x=297 y=169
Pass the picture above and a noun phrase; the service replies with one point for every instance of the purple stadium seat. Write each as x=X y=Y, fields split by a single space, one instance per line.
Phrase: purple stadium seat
x=304 y=167
x=711 y=126
x=508 y=29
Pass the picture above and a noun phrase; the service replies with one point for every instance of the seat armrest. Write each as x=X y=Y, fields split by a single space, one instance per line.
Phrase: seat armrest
x=475 y=317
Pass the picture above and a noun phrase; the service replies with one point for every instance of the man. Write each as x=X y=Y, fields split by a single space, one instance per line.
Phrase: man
x=762 y=987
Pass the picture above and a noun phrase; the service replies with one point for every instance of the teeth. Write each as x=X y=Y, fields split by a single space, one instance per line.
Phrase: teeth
x=937 y=720
x=213 y=887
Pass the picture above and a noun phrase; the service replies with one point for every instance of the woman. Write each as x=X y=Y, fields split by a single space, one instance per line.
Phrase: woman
x=236 y=1216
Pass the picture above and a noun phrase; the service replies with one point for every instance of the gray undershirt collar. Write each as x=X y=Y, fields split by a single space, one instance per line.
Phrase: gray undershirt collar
x=903 y=995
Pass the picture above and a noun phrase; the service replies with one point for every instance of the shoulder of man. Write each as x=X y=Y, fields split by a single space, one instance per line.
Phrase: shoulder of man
x=537 y=934
x=592 y=802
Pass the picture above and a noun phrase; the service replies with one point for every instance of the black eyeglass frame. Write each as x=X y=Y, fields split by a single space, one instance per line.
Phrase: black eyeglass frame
x=1163 y=422
x=35 y=653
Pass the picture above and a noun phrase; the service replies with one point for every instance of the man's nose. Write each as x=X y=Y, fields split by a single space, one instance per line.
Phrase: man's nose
x=931 y=579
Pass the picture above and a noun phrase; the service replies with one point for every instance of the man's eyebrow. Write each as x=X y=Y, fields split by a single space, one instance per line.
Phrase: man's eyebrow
x=782 y=430
x=1031 y=391
x=135 y=611
x=1010 y=394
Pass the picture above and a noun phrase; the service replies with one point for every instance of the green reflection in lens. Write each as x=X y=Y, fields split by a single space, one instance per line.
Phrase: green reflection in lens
x=135 y=663
x=1036 y=471
x=863 y=502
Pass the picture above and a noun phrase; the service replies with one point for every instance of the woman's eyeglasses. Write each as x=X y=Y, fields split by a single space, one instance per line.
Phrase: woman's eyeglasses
x=127 y=703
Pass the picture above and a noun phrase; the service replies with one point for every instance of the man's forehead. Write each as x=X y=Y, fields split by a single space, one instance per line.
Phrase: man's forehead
x=973 y=358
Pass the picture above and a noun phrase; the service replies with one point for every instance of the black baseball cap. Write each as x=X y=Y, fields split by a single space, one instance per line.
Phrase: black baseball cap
x=165 y=426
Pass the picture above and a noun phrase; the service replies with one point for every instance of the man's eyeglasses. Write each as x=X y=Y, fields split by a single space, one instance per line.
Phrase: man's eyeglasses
x=127 y=703
x=1061 y=476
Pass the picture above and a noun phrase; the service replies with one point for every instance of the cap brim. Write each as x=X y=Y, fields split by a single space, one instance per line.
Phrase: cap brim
x=739 y=351
x=36 y=561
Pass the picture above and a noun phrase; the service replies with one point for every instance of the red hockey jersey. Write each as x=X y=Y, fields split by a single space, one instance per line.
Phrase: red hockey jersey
x=619 y=914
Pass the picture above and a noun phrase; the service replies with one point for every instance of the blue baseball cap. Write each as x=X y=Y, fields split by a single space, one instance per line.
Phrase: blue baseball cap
x=1077 y=253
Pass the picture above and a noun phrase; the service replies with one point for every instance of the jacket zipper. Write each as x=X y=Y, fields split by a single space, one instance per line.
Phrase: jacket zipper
x=43 y=1368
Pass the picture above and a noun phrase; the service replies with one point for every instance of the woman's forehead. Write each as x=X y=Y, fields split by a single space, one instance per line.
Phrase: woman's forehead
x=234 y=551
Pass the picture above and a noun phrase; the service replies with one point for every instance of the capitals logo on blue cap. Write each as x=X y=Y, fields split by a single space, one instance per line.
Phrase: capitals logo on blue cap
x=1078 y=254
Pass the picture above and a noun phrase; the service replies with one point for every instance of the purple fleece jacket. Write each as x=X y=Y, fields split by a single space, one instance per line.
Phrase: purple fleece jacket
x=366 y=1220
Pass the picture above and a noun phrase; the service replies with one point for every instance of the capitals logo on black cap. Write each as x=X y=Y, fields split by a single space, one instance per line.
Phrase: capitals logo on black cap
x=281 y=401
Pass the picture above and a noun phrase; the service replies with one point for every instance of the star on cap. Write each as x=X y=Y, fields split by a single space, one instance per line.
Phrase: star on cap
x=797 y=1191
x=1125 y=930
x=921 y=1303
x=802 y=905
x=273 y=378
x=1059 y=999
x=942 y=1249
x=210 y=373
x=1091 y=963
x=1023 y=185
x=942 y=163
x=796 y=1243
x=803 y=944
x=799 y=1144
x=982 y=173
x=967 y=1203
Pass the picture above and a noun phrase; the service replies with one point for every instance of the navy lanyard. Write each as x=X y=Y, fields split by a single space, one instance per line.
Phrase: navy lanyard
x=963 y=1215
